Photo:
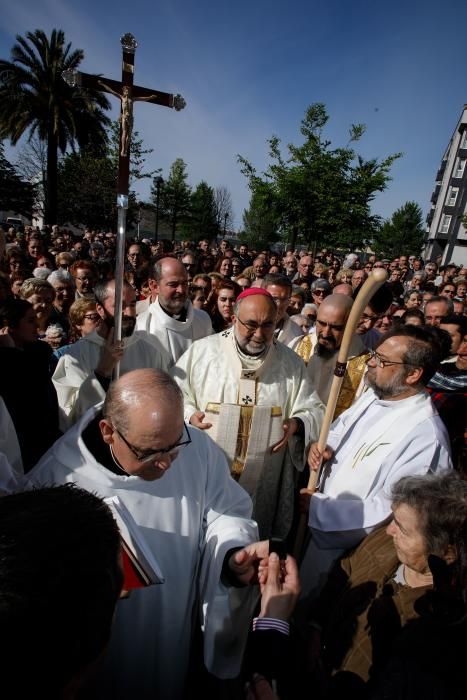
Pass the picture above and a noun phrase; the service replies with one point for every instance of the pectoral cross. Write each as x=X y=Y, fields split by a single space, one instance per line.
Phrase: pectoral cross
x=127 y=93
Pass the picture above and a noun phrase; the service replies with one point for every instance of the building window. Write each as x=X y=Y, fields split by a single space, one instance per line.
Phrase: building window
x=460 y=167
x=464 y=140
x=452 y=196
x=445 y=221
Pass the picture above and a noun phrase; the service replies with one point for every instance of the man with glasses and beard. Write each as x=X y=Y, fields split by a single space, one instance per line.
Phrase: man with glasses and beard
x=392 y=431
x=84 y=372
x=326 y=339
x=192 y=516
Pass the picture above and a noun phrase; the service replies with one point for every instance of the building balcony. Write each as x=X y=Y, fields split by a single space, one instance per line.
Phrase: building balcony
x=435 y=195
x=440 y=173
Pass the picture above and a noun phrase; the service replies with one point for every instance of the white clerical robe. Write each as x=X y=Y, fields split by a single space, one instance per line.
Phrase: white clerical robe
x=176 y=336
x=290 y=334
x=402 y=438
x=208 y=373
x=75 y=382
x=321 y=369
x=11 y=463
x=190 y=518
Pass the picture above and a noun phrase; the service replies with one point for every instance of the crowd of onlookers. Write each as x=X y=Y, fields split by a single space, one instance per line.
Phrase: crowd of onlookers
x=56 y=272
x=51 y=296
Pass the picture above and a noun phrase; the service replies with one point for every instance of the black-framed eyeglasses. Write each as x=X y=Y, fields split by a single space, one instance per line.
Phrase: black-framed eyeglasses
x=381 y=362
x=145 y=456
x=253 y=327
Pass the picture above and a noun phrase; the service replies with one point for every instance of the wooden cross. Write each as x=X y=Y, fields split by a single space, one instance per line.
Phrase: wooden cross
x=127 y=93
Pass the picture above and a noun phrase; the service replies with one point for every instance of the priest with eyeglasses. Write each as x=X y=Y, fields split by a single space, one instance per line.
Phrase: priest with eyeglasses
x=392 y=430
x=192 y=515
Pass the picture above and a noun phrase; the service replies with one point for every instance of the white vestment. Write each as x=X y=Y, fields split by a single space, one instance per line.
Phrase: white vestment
x=209 y=372
x=321 y=369
x=75 y=382
x=11 y=463
x=190 y=518
x=176 y=336
x=401 y=438
x=290 y=334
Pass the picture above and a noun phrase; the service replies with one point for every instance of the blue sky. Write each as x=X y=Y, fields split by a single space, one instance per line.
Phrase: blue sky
x=250 y=69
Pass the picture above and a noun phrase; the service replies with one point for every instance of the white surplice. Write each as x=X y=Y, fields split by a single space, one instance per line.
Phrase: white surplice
x=290 y=334
x=75 y=382
x=190 y=518
x=176 y=336
x=210 y=372
x=11 y=463
x=340 y=522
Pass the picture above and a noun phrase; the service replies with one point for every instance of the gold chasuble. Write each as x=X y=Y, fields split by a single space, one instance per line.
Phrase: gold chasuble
x=246 y=400
x=245 y=431
x=352 y=384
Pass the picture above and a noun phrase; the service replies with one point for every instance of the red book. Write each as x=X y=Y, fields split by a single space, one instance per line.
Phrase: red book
x=140 y=566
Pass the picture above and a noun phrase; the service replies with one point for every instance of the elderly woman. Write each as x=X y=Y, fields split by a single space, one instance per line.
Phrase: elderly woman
x=41 y=295
x=376 y=590
x=413 y=299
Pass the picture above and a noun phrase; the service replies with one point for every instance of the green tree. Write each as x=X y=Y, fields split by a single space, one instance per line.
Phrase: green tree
x=175 y=197
x=15 y=194
x=87 y=190
x=402 y=234
x=34 y=99
x=87 y=183
x=202 y=222
x=320 y=194
x=260 y=220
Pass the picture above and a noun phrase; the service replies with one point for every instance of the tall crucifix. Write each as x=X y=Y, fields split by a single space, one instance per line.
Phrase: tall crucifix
x=127 y=93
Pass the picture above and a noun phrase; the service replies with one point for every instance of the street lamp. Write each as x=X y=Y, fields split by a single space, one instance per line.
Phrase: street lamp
x=226 y=216
x=158 y=181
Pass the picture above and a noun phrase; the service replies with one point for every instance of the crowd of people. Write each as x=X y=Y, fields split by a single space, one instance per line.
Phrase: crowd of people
x=208 y=437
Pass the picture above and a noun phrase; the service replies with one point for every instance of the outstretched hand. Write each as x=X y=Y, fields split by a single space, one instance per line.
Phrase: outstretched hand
x=280 y=587
x=245 y=563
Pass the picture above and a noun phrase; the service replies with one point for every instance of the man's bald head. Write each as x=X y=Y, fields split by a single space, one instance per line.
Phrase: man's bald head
x=343 y=289
x=170 y=284
x=341 y=302
x=151 y=389
x=166 y=267
x=143 y=424
x=330 y=323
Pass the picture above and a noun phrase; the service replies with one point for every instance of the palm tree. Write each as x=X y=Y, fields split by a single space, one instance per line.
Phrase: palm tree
x=35 y=99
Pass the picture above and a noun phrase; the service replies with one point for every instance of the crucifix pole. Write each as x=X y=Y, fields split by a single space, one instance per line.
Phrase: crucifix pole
x=127 y=93
x=126 y=118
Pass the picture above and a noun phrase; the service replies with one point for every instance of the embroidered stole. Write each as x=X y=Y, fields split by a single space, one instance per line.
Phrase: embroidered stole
x=244 y=431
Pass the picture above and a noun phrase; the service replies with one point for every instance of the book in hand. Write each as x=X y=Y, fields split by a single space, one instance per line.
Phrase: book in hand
x=140 y=566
